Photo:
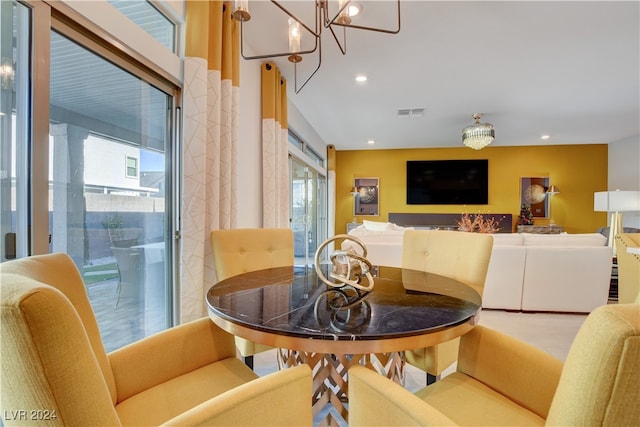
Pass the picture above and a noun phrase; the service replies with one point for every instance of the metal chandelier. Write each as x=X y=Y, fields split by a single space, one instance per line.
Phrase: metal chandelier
x=335 y=18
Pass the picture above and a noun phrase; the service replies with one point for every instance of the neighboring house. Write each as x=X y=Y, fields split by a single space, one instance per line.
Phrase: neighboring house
x=114 y=167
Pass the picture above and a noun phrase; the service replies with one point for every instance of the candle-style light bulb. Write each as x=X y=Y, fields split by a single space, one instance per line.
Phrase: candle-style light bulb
x=295 y=36
x=241 y=10
x=344 y=17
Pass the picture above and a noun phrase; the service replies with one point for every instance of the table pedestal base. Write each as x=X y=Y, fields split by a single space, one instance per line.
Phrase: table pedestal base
x=330 y=377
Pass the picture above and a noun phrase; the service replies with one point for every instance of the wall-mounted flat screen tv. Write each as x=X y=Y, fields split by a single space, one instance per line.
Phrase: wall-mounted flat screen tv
x=448 y=182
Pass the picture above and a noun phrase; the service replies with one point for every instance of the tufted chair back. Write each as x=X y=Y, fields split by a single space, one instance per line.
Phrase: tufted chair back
x=459 y=255
x=243 y=250
x=599 y=382
x=64 y=280
x=628 y=268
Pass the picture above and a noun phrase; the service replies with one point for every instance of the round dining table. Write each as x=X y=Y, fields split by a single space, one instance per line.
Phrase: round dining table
x=332 y=328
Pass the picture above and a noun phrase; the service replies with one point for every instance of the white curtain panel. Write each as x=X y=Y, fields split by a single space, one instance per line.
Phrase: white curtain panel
x=194 y=186
x=210 y=117
x=210 y=178
x=275 y=153
x=275 y=175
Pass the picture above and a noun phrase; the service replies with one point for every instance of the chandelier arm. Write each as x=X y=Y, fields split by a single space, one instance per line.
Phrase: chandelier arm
x=324 y=5
x=318 y=29
x=342 y=49
x=362 y=27
x=273 y=55
x=295 y=70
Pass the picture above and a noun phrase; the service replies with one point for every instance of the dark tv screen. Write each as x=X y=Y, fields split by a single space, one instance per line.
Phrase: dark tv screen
x=447 y=182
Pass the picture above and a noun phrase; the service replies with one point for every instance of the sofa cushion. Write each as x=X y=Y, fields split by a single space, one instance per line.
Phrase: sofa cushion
x=376 y=225
x=383 y=247
x=566 y=240
x=508 y=239
x=569 y=280
x=373 y=237
x=503 y=285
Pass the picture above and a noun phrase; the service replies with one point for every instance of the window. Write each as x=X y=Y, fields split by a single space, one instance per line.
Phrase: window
x=313 y=155
x=132 y=167
x=150 y=19
x=297 y=142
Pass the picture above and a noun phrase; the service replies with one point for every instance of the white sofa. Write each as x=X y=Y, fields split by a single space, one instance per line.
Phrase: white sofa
x=548 y=272
x=527 y=272
x=384 y=245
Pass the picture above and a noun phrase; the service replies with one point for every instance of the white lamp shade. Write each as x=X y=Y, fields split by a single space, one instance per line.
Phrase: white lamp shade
x=616 y=201
x=601 y=201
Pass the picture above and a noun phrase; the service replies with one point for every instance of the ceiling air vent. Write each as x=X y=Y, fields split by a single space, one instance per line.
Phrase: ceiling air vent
x=410 y=112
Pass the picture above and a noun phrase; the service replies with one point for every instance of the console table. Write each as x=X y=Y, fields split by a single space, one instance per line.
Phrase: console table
x=446 y=221
x=540 y=229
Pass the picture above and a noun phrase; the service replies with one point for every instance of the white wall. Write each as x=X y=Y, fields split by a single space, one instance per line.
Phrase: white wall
x=299 y=124
x=624 y=172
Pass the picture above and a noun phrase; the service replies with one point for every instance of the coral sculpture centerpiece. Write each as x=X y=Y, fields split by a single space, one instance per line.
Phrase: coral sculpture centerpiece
x=478 y=223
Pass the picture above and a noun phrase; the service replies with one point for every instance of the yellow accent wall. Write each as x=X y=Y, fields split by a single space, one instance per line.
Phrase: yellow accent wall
x=578 y=170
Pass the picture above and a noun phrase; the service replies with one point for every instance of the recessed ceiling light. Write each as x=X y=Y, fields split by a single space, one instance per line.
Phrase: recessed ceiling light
x=354 y=9
x=371 y=142
x=361 y=78
x=545 y=136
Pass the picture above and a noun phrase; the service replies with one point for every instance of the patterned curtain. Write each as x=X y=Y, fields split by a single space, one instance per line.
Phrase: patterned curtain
x=211 y=85
x=275 y=160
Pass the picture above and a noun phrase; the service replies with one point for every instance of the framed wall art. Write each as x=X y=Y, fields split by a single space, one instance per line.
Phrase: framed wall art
x=366 y=198
x=533 y=193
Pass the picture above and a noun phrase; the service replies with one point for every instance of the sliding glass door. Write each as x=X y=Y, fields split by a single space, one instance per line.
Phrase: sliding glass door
x=308 y=204
x=109 y=152
x=87 y=156
x=15 y=135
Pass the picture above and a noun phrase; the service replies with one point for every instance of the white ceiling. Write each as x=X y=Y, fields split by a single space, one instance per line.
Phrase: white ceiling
x=567 y=69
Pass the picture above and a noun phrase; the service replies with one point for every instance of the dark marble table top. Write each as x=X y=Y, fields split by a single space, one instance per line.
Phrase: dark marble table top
x=293 y=302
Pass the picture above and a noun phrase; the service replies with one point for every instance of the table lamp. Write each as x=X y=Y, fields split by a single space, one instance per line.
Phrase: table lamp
x=616 y=202
x=551 y=191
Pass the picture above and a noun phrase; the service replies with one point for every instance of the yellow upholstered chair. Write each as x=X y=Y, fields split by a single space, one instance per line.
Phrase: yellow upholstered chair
x=54 y=368
x=460 y=255
x=243 y=250
x=503 y=381
x=628 y=268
